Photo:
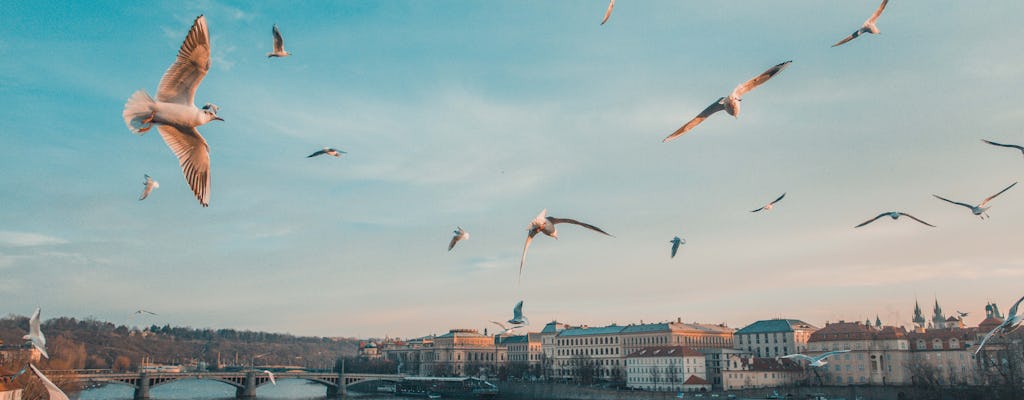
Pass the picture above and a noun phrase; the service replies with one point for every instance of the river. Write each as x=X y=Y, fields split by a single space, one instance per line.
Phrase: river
x=195 y=389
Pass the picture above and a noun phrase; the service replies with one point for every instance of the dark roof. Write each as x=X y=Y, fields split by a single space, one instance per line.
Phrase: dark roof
x=775 y=325
x=855 y=331
x=466 y=333
x=666 y=351
x=554 y=327
x=695 y=380
x=604 y=330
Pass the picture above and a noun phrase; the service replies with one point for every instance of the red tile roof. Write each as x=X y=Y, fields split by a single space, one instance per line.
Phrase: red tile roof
x=855 y=331
x=695 y=380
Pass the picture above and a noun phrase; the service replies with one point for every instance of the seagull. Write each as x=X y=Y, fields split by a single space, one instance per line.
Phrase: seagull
x=771 y=205
x=868 y=27
x=505 y=329
x=961 y=313
x=279 y=50
x=174 y=112
x=980 y=210
x=546 y=224
x=271 y=374
x=35 y=335
x=1011 y=324
x=818 y=360
x=150 y=185
x=52 y=390
x=517 y=316
x=460 y=234
x=1021 y=148
x=730 y=104
x=676 y=241
x=609 y=12
x=893 y=215
x=329 y=151
x=140 y=312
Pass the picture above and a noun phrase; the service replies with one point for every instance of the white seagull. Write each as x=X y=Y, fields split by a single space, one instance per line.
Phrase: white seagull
x=676 y=241
x=279 y=50
x=609 y=12
x=1011 y=324
x=150 y=185
x=174 y=112
x=893 y=215
x=980 y=210
x=868 y=27
x=546 y=224
x=1013 y=146
x=460 y=234
x=141 y=312
x=35 y=334
x=517 y=316
x=505 y=329
x=769 y=206
x=271 y=376
x=961 y=313
x=730 y=104
x=818 y=360
x=52 y=390
x=328 y=151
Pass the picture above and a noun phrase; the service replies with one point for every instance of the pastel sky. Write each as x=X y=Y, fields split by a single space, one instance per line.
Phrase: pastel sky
x=481 y=113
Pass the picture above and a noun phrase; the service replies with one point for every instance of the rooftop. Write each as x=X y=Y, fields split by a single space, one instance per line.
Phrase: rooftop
x=666 y=351
x=605 y=330
x=775 y=325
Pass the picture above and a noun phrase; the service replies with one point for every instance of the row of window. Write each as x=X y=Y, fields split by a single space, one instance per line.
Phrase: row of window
x=775 y=338
x=602 y=351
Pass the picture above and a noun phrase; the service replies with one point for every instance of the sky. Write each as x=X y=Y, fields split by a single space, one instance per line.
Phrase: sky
x=480 y=115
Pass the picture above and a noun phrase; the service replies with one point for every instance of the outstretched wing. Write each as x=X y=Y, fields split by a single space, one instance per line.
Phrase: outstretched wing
x=193 y=155
x=52 y=390
x=517 y=312
x=609 y=12
x=572 y=221
x=986 y=338
x=983 y=203
x=271 y=376
x=1013 y=310
x=529 y=238
x=849 y=38
x=318 y=152
x=872 y=220
x=954 y=202
x=1021 y=148
x=777 y=200
x=916 y=219
x=717 y=106
x=878 y=13
x=823 y=356
x=279 y=41
x=179 y=83
x=455 y=239
x=747 y=86
x=675 y=247
x=799 y=357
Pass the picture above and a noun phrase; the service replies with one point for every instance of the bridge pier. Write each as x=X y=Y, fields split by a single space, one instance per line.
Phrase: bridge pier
x=142 y=388
x=248 y=389
x=341 y=390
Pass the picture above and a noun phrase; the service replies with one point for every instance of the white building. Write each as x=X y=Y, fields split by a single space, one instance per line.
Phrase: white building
x=672 y=368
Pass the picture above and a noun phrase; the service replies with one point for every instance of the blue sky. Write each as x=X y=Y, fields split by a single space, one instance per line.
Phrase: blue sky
x=480 y=114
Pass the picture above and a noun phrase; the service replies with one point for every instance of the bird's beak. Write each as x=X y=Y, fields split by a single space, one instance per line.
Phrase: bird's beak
x=218 y=118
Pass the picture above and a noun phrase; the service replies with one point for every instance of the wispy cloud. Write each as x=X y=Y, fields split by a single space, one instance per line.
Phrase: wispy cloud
x=27 y=239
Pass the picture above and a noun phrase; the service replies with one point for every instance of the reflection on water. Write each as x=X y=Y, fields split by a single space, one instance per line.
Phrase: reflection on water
x=198 y=389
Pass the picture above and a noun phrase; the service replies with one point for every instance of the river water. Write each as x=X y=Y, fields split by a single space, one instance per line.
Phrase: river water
x=195 y=389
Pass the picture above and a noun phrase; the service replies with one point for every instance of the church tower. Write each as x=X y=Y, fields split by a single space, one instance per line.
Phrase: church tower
x=938 y=320
x=919 y=321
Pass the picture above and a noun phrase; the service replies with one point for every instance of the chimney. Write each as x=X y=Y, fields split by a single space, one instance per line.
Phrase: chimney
x=679 y=320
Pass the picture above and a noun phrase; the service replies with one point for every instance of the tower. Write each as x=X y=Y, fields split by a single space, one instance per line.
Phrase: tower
x=919 y=320
x=938 y=320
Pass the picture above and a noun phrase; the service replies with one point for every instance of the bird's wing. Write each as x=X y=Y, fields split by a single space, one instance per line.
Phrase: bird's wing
x=747 y=86
x=675 y=247
x=517 y=312
x=145 y=192
x=455 y=239
x=986 y=338
x=849 y=38
x=777 y=200
x=916 y=219
x=759 y=209
x=1003 y=145
x=872 y=220
x=609 y=12
x=1013 y=310
x=954 y=202
x=830 y=354
x=52 y=390
x=983 y=203
x=878 y=13
x=278 y=40
x=193 y=155
x=271 y=375
x=318 y=152
x=529 y=238
x=500 y=324
x=183 y=77
x=798 y=356
x=717 y=106
x=572 y=221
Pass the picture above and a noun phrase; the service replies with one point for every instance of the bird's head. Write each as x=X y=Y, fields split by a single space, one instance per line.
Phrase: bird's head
x=210 y=110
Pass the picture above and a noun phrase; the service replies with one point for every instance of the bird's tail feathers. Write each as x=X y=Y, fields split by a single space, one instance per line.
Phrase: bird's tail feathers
x=138 y=109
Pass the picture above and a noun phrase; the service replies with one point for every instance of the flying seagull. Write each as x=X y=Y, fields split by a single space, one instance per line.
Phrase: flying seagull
x=141 y=312
x=517 y=316
x=174 y=112
x=730 y=104
x=150 y=185
x=460 y=234
x=676 y=241
x=279 y=50
x=505 y=329
x=868 y=27
x=1021 y=148
x=328 y=151
x=35 y=334
x=961 y=313
x=609 y=12
x=1011 y=324
x=980 y=210
x=52 y=390
x=271 y=376
x=818 y=360
x=769 y=206
x=546 y=224
x=893 y=215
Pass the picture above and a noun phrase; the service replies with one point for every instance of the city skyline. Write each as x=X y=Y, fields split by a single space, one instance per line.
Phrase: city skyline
x=480 y=115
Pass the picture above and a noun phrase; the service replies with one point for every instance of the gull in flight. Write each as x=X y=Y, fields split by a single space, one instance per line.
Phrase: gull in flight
x=676 y=241
x=35 y=334
x=980 y=210
x=150 y=185
x=279 y=50
x=517 y=316
x=1021 y=148
x=961 y=313
x=1011 y=324
x=271 y=376
x=769 y=206
x=505 y=329
x=818 y=360
x=609 y=12
x=52 y=390
x=545 y=224
x=174 y=112
x=460 y=234
x=868 y=27
x=893 y=215
x=141 y=312
x=328 y=151
x=730 y=104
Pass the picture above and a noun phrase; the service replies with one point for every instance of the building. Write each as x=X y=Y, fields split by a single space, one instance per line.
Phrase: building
x=369 y=351
x=743 y=372
x=8 y=389
x=715 y=361
x=461 y=352
x=876 y=357
x=774 y=337
x=943 y=356
x=672 y=368
x=547 y=346
x=524 y=352
x=585 y=351
x=694 y=335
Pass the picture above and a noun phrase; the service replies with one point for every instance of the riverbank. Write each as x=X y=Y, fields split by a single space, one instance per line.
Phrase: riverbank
x=557 y=391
